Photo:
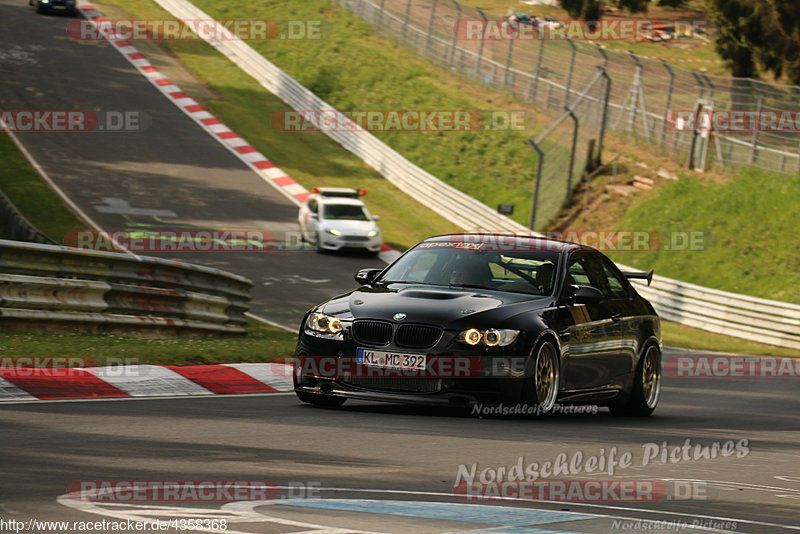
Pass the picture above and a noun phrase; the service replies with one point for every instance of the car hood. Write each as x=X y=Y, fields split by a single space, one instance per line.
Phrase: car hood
x=448 y=307
x=352 y=227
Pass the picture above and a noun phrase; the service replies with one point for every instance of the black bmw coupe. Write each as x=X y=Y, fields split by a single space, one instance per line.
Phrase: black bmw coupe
x=486 y=318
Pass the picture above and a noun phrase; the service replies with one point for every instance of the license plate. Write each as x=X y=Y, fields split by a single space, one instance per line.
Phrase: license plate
x=390 y=360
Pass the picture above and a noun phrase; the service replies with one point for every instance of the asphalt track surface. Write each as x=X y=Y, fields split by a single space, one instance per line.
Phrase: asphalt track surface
x=172 y=167
x=374 y=462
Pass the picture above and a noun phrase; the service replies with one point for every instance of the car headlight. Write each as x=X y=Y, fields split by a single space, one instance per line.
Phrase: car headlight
x=334 y=231
x=490 y=338
x=373 y=233
x=324 y=324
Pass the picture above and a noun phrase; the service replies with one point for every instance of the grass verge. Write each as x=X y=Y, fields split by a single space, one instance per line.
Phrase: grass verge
x=749 y=226
x=263 y=343
x=677 y=335
x=32 y=197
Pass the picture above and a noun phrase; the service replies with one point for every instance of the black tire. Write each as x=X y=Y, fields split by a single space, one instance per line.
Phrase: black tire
x=646 y=386
x=542 y=378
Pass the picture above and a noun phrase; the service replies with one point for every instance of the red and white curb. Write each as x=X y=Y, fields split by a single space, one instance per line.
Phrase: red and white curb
x=257 y=161
x=29 y=384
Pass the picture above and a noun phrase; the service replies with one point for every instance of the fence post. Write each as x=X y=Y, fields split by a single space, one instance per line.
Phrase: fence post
x=380 y=14
x=508 y=60
x=538 y=68
x=408 y=16
x=754 y=153
x=569 y=72
x=535 y=200
x=483 y=41
x=604 y=119
x=576 y=125
x=430 y=26
x=455 y=34
x=669 y=100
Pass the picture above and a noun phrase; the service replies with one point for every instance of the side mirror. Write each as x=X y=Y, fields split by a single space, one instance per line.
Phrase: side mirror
x=313 y=216
x=366 y=276
x=583 y=294
x=376 y=218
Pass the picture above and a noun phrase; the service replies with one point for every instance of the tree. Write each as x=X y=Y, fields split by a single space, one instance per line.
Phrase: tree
x=583 y=9
x=758 y=35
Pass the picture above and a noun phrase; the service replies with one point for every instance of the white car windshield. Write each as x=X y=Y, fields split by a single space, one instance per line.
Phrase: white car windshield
x=350 y=212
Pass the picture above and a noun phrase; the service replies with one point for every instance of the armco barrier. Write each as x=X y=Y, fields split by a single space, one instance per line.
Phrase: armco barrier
x=64 y=285
x=707 y=309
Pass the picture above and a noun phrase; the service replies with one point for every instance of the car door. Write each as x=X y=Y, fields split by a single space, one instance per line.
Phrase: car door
x=592 y=338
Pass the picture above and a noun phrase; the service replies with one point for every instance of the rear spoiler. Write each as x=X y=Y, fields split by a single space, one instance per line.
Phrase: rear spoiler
x=640 y=275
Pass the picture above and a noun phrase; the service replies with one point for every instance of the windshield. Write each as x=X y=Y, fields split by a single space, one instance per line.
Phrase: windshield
x=350 y=212
x=446 y=264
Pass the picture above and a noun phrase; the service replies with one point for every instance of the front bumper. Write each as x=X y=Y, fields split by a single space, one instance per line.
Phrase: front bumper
x=338 y=242
x=491 y=385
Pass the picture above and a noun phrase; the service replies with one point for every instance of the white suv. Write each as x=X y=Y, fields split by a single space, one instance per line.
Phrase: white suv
x=334 y=218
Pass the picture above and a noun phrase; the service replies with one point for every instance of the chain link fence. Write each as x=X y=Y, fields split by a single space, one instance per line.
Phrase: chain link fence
x=562 y=74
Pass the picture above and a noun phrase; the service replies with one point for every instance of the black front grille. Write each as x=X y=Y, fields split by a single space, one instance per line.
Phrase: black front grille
x=372 y=332
x=416 y=336
x=355 y=238
x=408 y=385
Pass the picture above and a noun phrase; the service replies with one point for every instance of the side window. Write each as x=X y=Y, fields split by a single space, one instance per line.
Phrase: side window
x=576 y=272
x=616 y=285
x=586 y=269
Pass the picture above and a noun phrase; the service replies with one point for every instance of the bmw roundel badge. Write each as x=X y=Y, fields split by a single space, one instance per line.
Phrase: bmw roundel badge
x=399 y=316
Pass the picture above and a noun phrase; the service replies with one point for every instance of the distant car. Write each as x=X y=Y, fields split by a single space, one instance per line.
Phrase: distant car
x=50 y=6
x=526 y=321
x=334 y=218
x=552 y=23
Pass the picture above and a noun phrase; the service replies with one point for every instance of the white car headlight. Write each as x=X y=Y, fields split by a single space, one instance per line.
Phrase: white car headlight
x=333 y=231
x=489 y=338
x=324 y=324
x=373 y=233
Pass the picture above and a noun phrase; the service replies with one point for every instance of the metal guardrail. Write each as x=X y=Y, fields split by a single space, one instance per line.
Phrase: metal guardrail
x=16 y=226
x=689 y=304
x=60 y=284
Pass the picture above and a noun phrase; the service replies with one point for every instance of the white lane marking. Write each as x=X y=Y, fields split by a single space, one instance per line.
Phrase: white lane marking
x=244 y=512
x=271 y=323
x=232 y=515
